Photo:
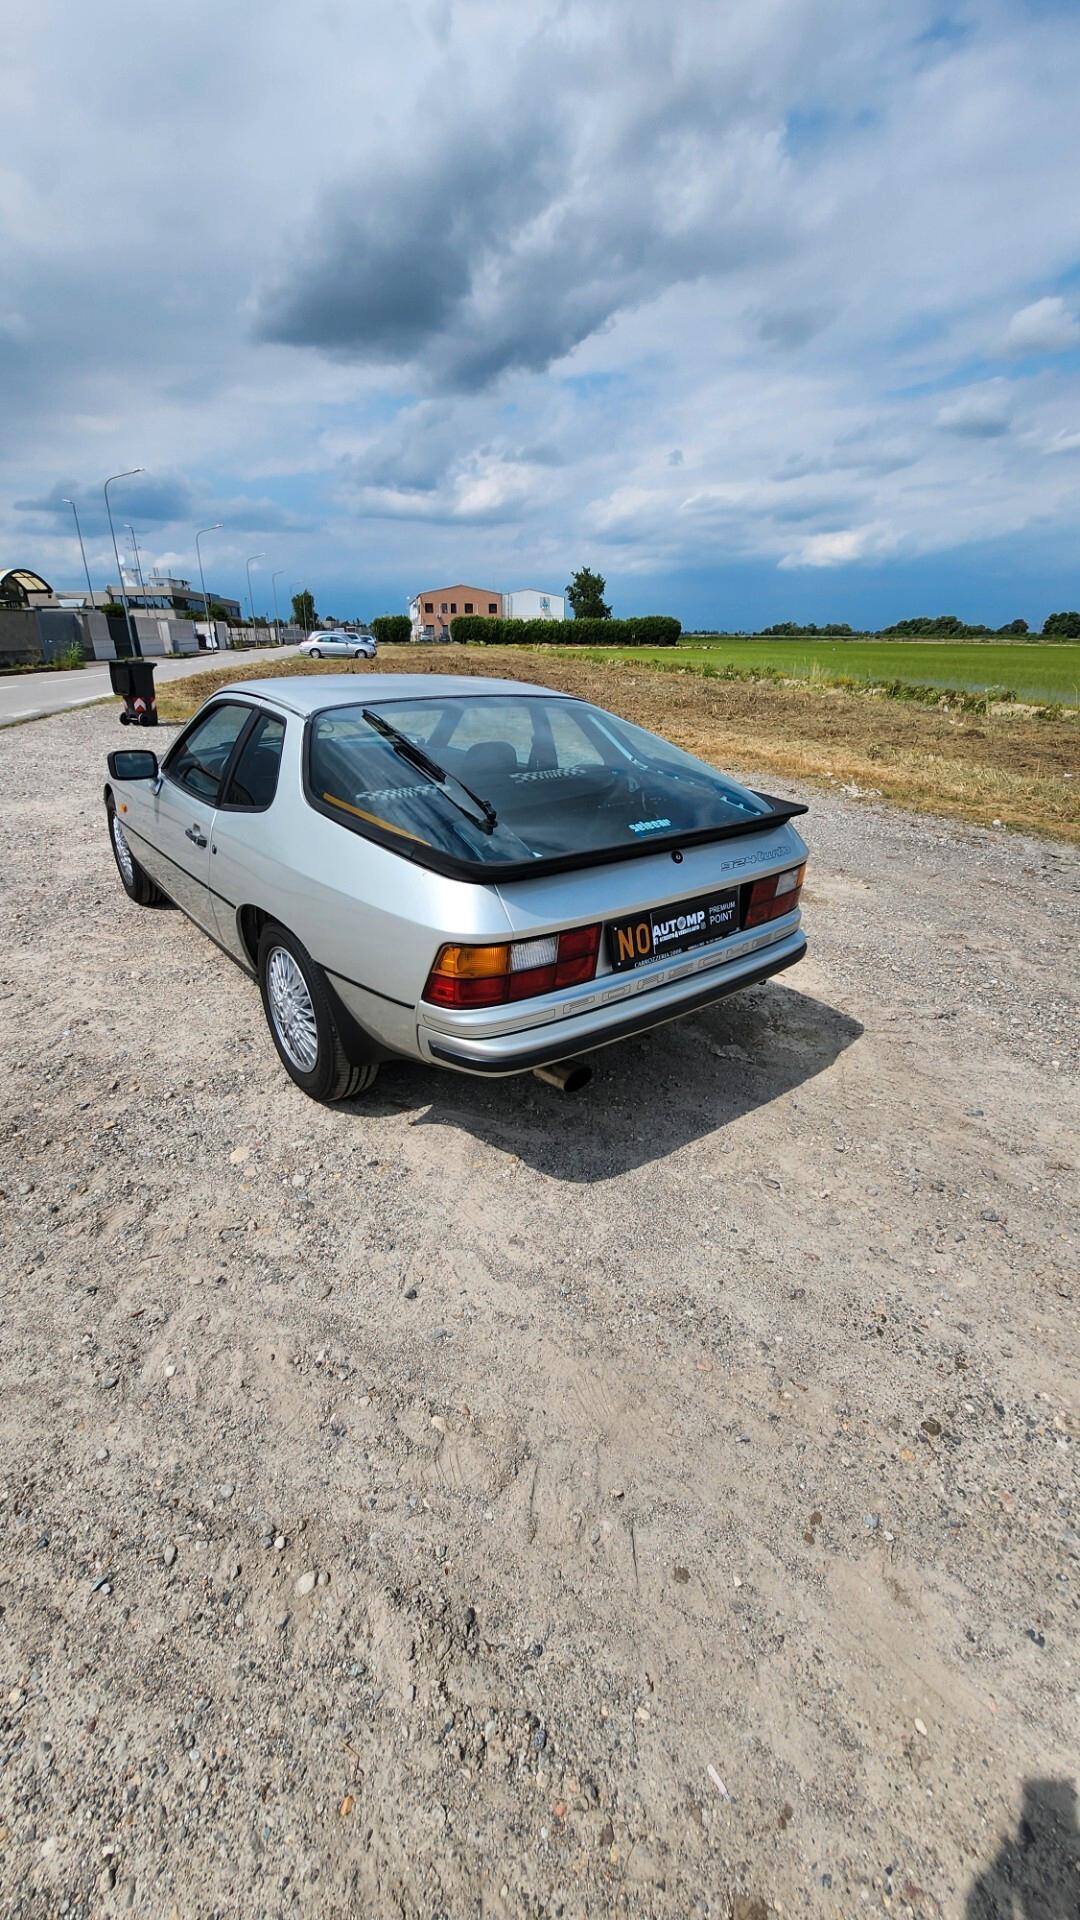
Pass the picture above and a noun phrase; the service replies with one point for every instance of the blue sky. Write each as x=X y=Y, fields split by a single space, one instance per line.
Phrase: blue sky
x=765 y=312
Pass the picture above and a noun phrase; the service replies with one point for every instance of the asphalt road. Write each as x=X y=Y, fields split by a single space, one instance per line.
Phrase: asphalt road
x=30 y=696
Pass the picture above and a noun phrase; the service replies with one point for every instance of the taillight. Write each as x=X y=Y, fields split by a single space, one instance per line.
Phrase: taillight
x=774 y=896
x=490 y=976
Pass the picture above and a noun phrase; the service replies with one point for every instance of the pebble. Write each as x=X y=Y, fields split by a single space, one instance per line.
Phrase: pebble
x=279 y=1543
x=306 y=1584
x=111 y=1380
x=920 y=1728
x=169 y=1556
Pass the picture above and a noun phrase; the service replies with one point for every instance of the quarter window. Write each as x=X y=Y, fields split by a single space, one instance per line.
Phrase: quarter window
x=253 y=781
x=199 y=760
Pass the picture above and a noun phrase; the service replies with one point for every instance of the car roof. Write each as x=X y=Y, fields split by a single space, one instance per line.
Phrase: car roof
x=310 y=693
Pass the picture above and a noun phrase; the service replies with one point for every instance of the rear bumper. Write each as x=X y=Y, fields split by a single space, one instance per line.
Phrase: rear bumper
x=563 y=1039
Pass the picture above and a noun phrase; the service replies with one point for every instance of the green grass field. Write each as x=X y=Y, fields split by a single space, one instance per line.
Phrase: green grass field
x=1038 y=673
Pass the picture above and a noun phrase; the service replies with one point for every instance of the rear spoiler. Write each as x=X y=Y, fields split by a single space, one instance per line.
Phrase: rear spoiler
x=491 y=873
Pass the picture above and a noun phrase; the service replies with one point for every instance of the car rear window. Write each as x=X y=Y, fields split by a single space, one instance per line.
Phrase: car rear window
x=563 y=780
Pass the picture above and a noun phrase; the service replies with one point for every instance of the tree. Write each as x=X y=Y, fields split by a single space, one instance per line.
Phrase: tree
x=303 y=609
x=1062 y=626
x=1015 y=626
x=392 y=629
x=586 y=595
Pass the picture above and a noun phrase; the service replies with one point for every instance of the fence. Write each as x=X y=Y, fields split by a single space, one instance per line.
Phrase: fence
x=35 y=636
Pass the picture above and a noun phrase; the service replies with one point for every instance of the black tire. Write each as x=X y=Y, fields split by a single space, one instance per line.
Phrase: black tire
x=332 y=1075
x=314 y=654
x=136 y=883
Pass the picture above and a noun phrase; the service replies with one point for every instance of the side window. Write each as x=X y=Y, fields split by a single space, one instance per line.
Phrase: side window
x=199 y=760
x=253 y=781
x=573 y=748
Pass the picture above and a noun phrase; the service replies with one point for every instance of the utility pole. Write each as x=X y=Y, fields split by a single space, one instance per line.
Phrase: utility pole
x=127 y=474
x=216 y=528
x=251 y=597
x=82 y=549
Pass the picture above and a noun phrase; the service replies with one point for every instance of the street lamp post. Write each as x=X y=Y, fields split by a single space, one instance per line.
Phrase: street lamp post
x=274 y=578
x=251 y=597
x=127 y=474
x=82 y=549
x=216 y=528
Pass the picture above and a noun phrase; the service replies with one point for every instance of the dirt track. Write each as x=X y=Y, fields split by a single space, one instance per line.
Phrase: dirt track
x=688 y=1470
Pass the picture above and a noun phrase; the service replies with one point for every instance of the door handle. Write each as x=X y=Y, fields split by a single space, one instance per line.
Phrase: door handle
x=196 y=834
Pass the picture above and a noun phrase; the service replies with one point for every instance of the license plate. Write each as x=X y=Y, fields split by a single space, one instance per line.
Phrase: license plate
x=673 y=929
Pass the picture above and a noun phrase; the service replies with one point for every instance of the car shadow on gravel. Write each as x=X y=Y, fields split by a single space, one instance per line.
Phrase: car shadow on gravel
x=647 y=1097
x=1035 y=1874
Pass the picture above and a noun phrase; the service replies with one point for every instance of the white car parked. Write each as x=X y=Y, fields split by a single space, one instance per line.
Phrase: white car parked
x=336 y=644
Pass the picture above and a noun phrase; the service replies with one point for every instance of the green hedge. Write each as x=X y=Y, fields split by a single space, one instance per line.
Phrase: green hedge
x=391 y=629
x=649 y=630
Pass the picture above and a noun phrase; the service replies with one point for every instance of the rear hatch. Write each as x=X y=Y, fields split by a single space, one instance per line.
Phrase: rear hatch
x=686 y=899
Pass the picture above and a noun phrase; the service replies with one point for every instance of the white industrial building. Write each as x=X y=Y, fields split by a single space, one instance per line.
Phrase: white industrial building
x=528 y=603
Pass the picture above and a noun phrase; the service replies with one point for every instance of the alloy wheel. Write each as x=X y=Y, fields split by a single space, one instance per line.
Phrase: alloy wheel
x=123 y=852
x=291 y=1009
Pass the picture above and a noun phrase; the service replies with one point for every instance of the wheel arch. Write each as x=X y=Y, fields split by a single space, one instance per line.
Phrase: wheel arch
x=250 y=921
x=360 y=1045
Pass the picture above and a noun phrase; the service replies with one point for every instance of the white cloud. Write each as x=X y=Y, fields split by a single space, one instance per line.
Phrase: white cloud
x=836 y=549
x=1046 y=326
x=980 y=413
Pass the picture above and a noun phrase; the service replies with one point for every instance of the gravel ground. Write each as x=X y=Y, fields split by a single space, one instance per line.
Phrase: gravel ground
x=473 y=1501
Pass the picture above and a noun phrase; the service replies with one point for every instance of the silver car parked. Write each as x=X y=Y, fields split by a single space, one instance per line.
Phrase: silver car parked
x=336 y=644
x=479 y=874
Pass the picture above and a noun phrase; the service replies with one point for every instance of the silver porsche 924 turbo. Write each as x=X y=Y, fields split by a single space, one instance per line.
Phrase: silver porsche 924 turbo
x=479 y=874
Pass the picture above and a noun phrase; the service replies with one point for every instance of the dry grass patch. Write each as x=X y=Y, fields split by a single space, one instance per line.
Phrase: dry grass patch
x=1009 y=766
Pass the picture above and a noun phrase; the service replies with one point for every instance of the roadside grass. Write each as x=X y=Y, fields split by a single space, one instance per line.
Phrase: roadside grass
x=68 y=662
x=1002 y=764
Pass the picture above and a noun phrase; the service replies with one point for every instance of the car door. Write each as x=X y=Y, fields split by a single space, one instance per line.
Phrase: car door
x=181 y=812
x=245 y=850
x=333 y=643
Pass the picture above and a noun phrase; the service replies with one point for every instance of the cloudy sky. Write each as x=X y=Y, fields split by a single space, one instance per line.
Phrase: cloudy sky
x=765 y=310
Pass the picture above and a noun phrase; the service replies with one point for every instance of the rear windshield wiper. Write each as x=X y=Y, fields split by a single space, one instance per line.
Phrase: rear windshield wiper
x=409 y=750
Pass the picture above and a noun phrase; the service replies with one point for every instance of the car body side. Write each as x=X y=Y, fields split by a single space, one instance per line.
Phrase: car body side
x=374 y=920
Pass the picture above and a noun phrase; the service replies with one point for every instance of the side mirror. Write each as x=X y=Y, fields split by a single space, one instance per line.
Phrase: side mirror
x=133 y=763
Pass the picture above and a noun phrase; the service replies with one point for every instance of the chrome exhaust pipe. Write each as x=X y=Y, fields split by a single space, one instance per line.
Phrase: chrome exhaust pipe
x=568 y=1075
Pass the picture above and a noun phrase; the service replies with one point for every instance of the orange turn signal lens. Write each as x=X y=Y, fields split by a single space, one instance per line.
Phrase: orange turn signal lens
x=472 y=963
